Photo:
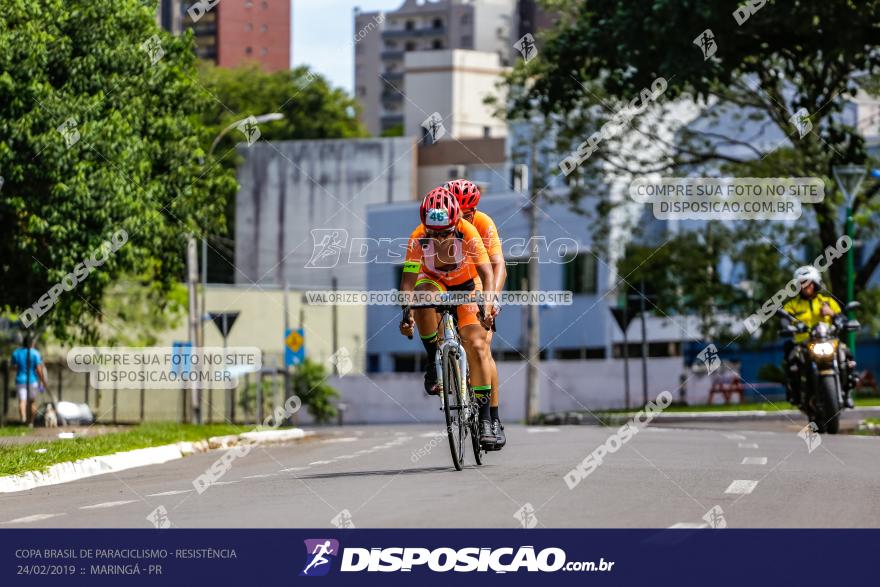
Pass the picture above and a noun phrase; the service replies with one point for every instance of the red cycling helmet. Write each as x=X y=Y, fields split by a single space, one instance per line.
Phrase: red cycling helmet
x=439 y=210
x=466 y=192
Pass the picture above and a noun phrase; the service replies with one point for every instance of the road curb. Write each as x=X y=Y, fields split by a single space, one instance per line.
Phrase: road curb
x=155 y=455
x=707 y=416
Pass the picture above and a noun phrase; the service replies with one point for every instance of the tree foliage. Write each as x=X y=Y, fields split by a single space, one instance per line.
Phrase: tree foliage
x=731 y=113
x=130 y=156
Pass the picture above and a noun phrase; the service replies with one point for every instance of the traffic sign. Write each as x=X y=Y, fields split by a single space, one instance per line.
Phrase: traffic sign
x=181 y=358
x=294 y=347
x=622 y=317
x=223 y=321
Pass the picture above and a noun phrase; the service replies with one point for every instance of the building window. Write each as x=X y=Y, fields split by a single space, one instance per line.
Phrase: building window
x=410 y=25
x=517 y=275
x=264 y=51
x=248 y=4
x=410 y=46
x=579 y=353
x=580 y=274
x=518 y=355
x=264 y=28
x=264 y=5
x=487 y=132
x=467 y=42
x=438 y=23
x=408 y=363
x=248 y=27
x=248 y=50
x=374 y=361
x=465 y=19
x=437 y=44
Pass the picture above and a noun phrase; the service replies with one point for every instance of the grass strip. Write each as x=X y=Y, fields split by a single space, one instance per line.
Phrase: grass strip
x=21 y=458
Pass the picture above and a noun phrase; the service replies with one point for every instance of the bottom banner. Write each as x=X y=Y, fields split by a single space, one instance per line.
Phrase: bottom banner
x=600 y=557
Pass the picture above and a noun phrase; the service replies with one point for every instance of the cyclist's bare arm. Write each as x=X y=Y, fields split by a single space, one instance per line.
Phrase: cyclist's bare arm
x=499 y=269
x=407 y=285
x=487 y=277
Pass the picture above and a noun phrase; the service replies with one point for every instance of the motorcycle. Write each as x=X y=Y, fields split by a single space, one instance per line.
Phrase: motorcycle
x=822 y=392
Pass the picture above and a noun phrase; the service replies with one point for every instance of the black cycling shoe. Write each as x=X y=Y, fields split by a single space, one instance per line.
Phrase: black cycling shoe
x=487 y=436
x=431 y=385
x=498 y=429
x=848 y=402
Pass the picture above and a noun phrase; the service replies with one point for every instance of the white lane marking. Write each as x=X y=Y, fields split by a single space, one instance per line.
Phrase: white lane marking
x=754 y=461
x=292 y=469
x=541 y=429
x=363 y=451
x=345 y=439
x=432 y=434
x=175 y=492
x=219 y=483
x=340 y=457
x=261 y=476
x=34 y=518
x=734 y=437
x=320 y=463
x=741 y=486
x=747 y=445
x=681 y=525
x=107 y=504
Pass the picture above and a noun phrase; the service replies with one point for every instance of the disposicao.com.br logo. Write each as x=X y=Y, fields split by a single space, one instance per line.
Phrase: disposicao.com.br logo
x=444 y=559
x=320 y=553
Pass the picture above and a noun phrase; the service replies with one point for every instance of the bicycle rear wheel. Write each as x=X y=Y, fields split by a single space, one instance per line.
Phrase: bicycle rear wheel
x=453 y=398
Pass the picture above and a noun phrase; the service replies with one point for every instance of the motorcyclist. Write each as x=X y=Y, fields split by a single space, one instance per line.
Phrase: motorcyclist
x=811 y=307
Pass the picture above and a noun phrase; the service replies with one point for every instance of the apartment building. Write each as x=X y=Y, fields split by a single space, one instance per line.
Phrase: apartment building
x=233 y=32
x=485 y=26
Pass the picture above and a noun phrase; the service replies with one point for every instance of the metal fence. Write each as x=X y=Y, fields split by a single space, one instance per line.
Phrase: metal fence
x=255 y=397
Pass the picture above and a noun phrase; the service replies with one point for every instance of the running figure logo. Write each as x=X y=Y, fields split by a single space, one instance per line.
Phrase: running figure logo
x=318 y=551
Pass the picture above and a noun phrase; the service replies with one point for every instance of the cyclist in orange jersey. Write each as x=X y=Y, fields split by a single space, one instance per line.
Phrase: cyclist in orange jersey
x=468 y=196
x=446 y=253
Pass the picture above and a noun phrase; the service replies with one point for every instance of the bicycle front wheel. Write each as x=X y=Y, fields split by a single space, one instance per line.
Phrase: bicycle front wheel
x=453 y=400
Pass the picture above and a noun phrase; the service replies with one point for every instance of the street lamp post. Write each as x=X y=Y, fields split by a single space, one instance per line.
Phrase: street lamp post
x=849 y=179
x=202 y=310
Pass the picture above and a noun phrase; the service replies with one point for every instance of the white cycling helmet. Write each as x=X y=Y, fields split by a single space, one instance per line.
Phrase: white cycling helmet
x=808 y=273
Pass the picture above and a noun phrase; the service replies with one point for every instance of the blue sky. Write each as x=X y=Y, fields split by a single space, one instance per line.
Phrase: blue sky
x=323 y=32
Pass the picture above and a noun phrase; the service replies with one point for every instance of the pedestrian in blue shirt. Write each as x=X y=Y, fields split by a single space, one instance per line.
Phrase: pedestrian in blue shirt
x=30 y=375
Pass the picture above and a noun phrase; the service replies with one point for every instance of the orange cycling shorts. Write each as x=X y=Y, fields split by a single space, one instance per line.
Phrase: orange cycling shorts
x=467 y=313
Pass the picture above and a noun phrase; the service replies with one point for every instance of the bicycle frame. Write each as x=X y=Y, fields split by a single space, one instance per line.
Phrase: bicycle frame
x=450 y=343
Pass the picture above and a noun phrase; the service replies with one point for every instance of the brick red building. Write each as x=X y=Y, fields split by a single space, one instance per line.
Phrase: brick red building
x=233 y=32
x=254 y=30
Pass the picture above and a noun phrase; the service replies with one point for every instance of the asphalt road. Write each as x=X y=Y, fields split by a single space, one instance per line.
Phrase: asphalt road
x=401 y=476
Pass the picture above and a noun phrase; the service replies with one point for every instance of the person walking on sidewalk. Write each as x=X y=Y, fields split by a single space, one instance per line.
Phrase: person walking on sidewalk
x=30 y=378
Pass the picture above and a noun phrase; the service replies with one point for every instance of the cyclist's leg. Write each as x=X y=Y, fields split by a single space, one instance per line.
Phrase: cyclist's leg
x=494 y=402
x=497 y=427
x=426 y=320
x=473 y=337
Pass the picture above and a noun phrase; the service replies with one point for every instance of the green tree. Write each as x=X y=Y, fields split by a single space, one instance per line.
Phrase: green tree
x=99 y=133
x=717 y=114
x=310 y=384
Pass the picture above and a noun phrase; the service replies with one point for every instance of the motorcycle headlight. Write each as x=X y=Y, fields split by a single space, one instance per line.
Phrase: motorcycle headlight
x=822 y=349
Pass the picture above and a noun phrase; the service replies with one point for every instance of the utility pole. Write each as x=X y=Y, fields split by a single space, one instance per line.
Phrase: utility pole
x=626 y=355
x=644 y=343
x=533 y=329
x=203 y=308
x=192 y=278
x=334 y=310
